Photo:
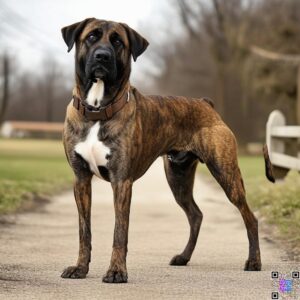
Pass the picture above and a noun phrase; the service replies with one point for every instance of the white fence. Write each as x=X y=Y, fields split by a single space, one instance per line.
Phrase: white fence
x=277 y=133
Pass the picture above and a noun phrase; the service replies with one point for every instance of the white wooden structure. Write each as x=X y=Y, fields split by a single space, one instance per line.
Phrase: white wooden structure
x=277 y=133
x=21 y=129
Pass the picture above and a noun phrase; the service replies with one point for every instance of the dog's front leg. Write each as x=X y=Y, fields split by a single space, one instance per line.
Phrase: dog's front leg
x=82 y=193
x=117 y=272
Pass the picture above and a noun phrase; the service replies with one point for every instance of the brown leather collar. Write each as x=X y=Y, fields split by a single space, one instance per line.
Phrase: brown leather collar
x=102 y=113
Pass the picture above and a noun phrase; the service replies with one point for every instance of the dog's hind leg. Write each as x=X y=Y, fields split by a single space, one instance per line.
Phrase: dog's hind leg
x=180 y=175
x=222 y=162
x=82 y=193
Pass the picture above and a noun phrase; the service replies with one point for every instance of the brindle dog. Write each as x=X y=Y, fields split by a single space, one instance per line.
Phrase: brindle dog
x=121 y=147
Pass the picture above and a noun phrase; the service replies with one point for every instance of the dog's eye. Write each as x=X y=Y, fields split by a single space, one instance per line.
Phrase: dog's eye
x=116 y=41
x=92 y=38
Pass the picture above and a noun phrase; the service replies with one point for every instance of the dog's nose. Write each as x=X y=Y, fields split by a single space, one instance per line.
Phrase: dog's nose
x=102 y=55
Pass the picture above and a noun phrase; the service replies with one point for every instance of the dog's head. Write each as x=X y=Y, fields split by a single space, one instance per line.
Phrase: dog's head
x=103 y=49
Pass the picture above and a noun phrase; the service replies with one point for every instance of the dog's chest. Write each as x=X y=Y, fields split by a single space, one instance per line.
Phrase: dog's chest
x=93 y=151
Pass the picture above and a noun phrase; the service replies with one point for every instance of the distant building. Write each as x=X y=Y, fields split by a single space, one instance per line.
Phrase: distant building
x=19 y=129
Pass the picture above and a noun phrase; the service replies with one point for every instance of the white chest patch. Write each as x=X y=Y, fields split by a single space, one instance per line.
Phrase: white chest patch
x=95 y=94
x=93 y=151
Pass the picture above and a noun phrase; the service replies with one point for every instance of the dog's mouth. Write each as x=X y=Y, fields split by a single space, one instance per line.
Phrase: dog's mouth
x=100 y=71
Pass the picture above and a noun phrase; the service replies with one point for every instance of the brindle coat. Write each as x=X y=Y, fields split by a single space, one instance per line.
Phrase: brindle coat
x=182 y=130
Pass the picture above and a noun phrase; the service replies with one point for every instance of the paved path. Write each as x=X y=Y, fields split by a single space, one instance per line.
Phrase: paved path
x=35 y=250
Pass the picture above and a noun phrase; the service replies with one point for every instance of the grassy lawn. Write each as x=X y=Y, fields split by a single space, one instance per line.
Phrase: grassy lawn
x=279 y=203
x=30 y=168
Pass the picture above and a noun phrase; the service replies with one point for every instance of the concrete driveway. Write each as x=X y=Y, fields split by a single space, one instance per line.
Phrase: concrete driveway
x=39 y=245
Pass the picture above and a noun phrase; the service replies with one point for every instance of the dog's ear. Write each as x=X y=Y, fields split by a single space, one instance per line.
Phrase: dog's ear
x=137 y=43
x=71 y=33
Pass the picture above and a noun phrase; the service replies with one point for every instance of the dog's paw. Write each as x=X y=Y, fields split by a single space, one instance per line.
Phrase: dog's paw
x=178 y=260
x=75 y=272
x=115 y=277
x=252 y=265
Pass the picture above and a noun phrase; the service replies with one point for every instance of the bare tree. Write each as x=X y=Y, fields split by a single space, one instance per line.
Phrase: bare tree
x=214 y=59
x=47 y=85
x=5 y=87
x=40 y=97
x=292 y=59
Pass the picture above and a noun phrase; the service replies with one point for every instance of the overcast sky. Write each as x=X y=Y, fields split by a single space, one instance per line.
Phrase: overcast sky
x=30 y=29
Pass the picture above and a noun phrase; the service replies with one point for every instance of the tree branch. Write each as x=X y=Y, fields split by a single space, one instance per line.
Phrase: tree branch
x=289 y=58
x=187 y=14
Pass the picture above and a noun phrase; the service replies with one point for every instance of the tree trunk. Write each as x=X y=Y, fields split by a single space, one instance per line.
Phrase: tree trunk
x=5 y=93
x=298 y=96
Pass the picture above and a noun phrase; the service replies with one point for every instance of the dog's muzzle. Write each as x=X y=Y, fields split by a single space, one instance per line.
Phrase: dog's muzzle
x=101 y=64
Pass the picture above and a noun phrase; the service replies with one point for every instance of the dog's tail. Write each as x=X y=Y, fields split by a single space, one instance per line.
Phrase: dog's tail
x=268 y=165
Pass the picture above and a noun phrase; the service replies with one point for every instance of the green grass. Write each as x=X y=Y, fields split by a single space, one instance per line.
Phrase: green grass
x=279 y=203
x=30 y=168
